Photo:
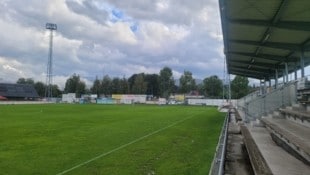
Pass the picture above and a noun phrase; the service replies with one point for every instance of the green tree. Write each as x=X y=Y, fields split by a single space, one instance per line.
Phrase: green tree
x=75 y=85
x=116 y=85
x=80 y=89
x=213 y=87
x=139 y=86
x=201 y=89
x=152 y=84
x=106 y=85
x=95 y=89
x=239 y=87
x=131 y=81
x=40 y=88
x=25 y=81
x=187 y=82
x=55 y=91
x=124 y=86
x=166 y=82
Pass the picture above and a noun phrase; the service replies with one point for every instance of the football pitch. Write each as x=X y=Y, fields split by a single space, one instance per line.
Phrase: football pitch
x=107 y=139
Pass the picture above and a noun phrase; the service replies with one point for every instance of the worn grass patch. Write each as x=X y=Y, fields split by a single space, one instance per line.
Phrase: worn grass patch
x=126 y=139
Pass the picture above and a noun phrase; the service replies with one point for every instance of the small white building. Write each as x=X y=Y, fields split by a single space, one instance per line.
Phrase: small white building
x=129 y=99
x=69 y=98
x=162 y=101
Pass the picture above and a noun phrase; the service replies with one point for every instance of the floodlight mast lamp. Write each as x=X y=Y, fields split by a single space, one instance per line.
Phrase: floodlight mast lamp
x=49 y=71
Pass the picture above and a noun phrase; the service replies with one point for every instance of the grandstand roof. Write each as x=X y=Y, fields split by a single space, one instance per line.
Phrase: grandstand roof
x=261 y=36
x=17 y=91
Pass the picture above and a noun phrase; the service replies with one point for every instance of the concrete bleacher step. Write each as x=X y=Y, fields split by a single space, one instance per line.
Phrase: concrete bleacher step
x=298 y=107
x=258 y=163
x=269 y=157
x=275 y=114
x=298 y=116
x=293 y=137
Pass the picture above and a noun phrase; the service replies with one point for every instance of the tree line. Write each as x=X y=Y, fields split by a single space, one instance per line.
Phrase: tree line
x=158 y=85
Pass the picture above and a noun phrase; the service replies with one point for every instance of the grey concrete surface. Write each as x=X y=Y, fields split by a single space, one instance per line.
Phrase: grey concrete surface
x=298 y=132
x=236 y=160
x=279 y=161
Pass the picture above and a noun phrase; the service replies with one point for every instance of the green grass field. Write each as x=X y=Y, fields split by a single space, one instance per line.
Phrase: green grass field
x=107 y=139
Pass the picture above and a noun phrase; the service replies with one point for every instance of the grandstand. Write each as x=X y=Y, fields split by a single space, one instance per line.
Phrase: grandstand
x=268 y=41
x=18 y=91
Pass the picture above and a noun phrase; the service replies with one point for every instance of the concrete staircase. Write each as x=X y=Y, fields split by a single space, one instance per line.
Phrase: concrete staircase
x=280 y=142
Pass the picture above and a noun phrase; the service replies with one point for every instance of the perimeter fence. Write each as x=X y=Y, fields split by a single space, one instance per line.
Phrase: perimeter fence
x=217 y=166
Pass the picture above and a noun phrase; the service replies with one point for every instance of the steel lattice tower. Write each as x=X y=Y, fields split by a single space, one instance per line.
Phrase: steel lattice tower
x=49 y=71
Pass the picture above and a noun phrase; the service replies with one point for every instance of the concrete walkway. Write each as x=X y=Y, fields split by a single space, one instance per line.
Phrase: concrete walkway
x=237 y=160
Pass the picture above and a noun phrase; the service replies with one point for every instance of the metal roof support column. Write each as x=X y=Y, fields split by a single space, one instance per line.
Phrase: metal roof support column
x=260 y=87
x=286 y=72
x=295 y=71
x=302 y=64
x=265 y=88
x=276 y=79
x=229 y=88
x=283 y=75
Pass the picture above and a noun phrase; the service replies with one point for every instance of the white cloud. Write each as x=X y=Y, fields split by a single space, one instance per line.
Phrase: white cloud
x=204 y=15
x=156 y=38
x=177 y=74
x=122 y=33
x=113 y=37
x=162 y=5
x=16 y=38
x=9 y=68
x=60 y=81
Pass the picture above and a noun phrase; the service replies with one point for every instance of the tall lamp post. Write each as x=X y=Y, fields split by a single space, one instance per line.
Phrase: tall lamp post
x=49 y=72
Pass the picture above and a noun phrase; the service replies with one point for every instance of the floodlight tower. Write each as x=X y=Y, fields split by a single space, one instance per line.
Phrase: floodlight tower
x=49 y=72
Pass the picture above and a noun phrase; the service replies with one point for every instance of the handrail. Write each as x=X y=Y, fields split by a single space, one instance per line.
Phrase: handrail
x=217 y=166
x=256 y=107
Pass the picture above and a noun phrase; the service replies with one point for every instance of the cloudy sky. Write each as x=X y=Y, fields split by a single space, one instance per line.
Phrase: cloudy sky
x=114 y=37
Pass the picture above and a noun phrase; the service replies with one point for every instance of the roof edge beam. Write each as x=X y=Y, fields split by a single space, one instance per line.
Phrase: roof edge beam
x=269 y=66
x=275 y=45
x=266 y=56
x=251 y=71
x=289 y=25
x=246 y=74
x=250 y=67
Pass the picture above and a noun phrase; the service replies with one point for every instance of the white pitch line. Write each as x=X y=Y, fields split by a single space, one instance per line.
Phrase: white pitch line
x=123 y=146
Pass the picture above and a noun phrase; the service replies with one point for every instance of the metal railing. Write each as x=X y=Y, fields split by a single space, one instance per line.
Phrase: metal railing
x=255 y=105
x=217 y=166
